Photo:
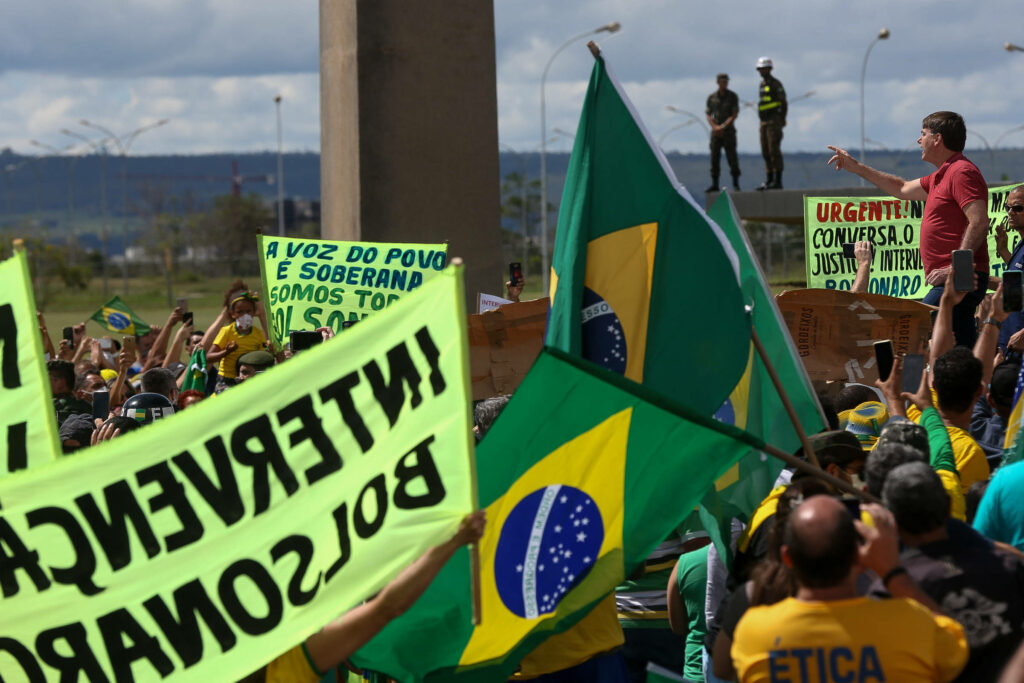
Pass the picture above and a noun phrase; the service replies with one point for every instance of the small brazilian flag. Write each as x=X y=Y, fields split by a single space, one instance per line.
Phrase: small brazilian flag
x=583 y=475
x=117 y=317
x=643 y=282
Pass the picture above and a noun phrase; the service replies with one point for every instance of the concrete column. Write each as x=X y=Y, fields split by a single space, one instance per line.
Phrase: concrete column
x=409 y=128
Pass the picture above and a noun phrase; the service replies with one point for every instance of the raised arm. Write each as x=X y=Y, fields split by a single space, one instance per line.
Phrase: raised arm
x=862 y=252
x=888 y=183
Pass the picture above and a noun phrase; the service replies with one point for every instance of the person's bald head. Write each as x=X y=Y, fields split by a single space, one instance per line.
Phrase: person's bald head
x=820 y=542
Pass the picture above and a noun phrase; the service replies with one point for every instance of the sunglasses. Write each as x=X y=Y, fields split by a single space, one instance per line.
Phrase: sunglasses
x=1016 y=208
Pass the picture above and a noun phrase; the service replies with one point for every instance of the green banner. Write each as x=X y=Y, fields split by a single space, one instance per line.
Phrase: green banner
x=318 y=283
x=29 y=425
x=893 y=226
x=203 y=545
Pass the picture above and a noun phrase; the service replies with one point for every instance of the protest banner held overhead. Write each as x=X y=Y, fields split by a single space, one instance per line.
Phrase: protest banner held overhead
x=29 y=427
x=835 y=331
x=312 y=283
x=893 y=226
x=201 y=546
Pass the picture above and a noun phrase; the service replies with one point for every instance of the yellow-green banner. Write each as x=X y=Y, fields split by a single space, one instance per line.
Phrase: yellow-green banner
x=319 y=283
x=201 y=546
x=893 y=226
x=29 y=423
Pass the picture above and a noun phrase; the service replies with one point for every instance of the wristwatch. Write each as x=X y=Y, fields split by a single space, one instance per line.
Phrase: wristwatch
x=992 y=321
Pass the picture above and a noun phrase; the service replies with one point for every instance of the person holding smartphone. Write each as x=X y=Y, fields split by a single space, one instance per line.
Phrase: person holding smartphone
x=1011 y=334
x=955 y=209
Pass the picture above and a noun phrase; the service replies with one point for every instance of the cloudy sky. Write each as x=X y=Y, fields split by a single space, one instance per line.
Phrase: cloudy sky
x=212 y=67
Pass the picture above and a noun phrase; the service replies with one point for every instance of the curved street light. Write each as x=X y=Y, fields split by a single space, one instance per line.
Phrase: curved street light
x=661 y=140
x=99 y=147
x=280 y=171
x=693 y=117
x=124 y=143
x=65 y=152
x=1012 y=130
x=991 y=153
x=611 y=27
x=1010 y=47
x=882 y=35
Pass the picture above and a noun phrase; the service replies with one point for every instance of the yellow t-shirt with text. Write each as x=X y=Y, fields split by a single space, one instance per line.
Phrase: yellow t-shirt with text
x=859 y=639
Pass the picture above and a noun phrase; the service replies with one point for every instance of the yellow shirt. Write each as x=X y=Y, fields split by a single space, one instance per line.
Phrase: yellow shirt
x=292 y=667
x=253 y=341
x=594 y=634
x=858 y=639
x=971 y=463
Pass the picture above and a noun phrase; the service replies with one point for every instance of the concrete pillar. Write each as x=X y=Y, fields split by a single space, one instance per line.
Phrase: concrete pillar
x=409 y=128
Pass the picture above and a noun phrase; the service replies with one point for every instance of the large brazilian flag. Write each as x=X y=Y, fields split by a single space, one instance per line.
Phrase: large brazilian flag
x=582 y=476
x=643 y=283
x=754 y=405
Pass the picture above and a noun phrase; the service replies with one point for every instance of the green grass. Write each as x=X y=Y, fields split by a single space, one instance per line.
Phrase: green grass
x=146 y=296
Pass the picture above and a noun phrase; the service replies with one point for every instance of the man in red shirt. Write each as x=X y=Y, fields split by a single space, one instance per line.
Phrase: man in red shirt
x=955 y=209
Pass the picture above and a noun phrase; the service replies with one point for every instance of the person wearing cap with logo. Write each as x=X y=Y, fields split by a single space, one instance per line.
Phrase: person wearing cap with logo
x=771 y=108
x=722 y=109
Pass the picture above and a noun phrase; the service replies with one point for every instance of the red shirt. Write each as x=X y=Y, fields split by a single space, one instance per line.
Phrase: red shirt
x=955 y=184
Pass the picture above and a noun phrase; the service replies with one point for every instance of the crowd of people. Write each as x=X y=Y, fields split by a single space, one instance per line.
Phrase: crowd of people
x=918 y=578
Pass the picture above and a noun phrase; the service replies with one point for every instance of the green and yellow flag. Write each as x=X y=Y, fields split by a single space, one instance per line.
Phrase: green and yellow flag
x=643 y=283
x=200 y=546
x=117 y=317
x=28 y=431
x=582 y=476
x=754 y=405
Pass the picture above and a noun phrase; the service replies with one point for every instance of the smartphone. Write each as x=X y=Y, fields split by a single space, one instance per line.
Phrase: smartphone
x=884 y=358
x=128 y=345
x=101 y=404
x=1013 y=294
x=913 y=366
x=69 y=335
x=183 y=304
x=106 y=343
x=963 y=270
x=186 y=318
x=304 y=339
x=848 y=249
x=515 y=273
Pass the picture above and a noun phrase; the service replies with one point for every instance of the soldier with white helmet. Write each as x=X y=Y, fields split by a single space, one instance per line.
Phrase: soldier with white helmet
x=771 y=109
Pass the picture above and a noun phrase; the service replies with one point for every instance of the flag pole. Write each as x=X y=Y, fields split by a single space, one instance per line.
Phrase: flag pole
x=816 y=471
x=595 y=49
x=787 y=404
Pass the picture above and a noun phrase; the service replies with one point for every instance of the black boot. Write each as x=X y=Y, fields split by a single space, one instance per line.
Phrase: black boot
x=714 y=185
x=777 y=182
x=736 y=182
x=767 y=184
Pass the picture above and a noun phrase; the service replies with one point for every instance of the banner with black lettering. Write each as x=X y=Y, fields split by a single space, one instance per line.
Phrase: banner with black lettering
x=201 y=546
x=28 y=422
x=893 y=226
x=319 y=283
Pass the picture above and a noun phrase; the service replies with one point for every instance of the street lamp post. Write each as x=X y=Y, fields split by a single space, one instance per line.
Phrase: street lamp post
x=544 y=261
x=124 y=143
x=693 y=117
x=1010 y=47
x=882 y=35
x=72 y=236
x=661 y=141
x=280 y=171
x=100 y=148
x=991 y=152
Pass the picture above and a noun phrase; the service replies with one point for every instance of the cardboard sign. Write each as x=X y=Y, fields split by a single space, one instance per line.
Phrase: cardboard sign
x=893 y=226
x=503 y=344
x=835 y=331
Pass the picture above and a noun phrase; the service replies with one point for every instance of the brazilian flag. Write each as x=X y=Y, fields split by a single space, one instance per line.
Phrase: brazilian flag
x=117 y=317
x=1013 y=443
x=582 y=476
x=642 y=283
x=753 y=405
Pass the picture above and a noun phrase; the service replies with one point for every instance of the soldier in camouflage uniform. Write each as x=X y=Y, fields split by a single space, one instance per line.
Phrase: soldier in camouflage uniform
x=771 y=108
x=722 y=109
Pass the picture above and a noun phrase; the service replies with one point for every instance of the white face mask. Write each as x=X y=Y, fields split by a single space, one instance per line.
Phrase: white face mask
x=244 y=321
